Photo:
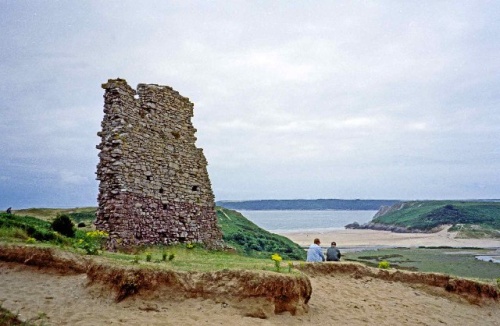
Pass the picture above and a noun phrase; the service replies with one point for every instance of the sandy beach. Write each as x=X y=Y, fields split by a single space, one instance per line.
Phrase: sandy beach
x=372 y=238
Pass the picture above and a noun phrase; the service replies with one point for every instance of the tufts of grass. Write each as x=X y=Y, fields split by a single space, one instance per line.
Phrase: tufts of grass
x=8 y=318
x=14 y=233
x=180 y=258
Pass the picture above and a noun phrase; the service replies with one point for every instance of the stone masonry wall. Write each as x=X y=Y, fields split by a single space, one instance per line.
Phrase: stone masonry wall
x=154 y=186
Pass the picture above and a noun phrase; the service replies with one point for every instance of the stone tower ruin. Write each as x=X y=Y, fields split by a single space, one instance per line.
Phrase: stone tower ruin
x=154 y=186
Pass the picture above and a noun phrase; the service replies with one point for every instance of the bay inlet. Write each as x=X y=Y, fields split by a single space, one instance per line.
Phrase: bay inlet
x=282 y=221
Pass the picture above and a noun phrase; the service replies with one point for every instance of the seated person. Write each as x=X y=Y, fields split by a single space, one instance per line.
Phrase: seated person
x=315 y=253
x=333 y=253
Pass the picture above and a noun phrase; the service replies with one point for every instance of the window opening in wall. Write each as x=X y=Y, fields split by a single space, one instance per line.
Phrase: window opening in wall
x=165 y=206
x=161 y=190
x=195 y=188
x=148 y=178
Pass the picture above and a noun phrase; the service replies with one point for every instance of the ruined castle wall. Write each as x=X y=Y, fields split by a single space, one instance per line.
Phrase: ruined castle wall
x=154 y=186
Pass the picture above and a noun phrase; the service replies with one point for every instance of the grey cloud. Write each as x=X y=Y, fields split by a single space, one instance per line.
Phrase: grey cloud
x=328 y=99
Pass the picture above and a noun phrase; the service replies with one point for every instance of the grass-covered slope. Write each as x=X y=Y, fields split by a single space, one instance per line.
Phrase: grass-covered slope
x=482 y=218
x=22 y=227
x=79 y=214
x=250 y=239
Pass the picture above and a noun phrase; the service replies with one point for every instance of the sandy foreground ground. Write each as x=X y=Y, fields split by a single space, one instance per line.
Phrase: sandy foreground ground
x=51 y=299
x=373 y=238
x=46 y=298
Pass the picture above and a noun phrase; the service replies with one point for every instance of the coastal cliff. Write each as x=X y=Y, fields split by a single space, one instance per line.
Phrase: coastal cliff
x=474 y=219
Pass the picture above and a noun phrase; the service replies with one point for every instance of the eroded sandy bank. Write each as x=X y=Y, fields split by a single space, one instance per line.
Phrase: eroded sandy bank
x=342 y=294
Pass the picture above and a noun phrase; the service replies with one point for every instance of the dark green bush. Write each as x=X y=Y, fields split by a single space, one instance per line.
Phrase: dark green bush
x=63 y=225
x=42 y=235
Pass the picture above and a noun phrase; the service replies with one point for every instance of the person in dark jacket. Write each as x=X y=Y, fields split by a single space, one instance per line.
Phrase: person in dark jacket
x=333 y=253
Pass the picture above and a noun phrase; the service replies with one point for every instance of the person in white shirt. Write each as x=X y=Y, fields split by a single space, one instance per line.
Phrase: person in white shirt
x=315 y=253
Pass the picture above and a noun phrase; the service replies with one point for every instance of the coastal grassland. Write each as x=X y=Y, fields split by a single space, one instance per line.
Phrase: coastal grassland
x=451 y=261
x=38 y=232
x=481 y=218
x=15 y=228
x=238 y=232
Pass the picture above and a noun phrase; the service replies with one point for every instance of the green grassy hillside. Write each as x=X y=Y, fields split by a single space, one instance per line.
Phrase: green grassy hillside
x=248 y=238
x=48 y=214
x=471 y=218
x=22 y=227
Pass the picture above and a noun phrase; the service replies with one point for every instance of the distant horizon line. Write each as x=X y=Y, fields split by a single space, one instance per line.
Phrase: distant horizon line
x=249 y=200
x=360 y=199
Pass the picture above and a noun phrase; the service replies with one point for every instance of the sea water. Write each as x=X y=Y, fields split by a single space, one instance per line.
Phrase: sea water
x=492 y=259
x=282 y=221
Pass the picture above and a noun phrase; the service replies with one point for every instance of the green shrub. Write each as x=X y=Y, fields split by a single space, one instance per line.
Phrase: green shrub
x=384 y=265
x=63 y=225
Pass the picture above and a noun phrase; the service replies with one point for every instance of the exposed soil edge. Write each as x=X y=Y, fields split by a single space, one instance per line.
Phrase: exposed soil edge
x=57 y=261
x=469 y=289
x=256 y=293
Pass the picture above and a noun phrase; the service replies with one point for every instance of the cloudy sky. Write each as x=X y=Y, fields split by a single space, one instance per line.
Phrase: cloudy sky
x=293 y=99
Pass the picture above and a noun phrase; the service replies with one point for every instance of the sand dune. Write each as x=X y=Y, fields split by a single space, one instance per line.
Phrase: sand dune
x=337 y=299
x=50 y=298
